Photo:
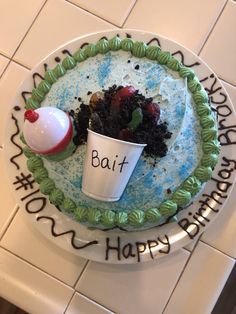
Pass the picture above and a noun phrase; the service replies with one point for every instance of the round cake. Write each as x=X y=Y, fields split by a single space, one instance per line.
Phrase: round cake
x=159 y=186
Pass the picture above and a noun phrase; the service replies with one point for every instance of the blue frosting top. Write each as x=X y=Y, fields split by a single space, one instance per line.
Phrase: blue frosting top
x=177 y=109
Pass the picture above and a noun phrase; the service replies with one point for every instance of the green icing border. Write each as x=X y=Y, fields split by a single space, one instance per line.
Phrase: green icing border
x=190 y=187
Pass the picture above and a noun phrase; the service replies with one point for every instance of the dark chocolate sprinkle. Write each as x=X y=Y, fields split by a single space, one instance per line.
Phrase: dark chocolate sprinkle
x=137 y=67
x=106 y=123
x=17 y=108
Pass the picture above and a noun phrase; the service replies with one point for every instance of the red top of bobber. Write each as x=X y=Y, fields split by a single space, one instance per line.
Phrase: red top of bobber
x=31 y=115
x=47 y=130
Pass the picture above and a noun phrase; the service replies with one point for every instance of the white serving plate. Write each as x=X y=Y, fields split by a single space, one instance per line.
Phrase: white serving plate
x=116 y=246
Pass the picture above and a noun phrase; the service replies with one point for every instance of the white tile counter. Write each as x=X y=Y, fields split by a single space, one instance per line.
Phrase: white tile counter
x=40 y=277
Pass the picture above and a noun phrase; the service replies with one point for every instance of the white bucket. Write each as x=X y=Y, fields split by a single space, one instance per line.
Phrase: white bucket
x=108 y=166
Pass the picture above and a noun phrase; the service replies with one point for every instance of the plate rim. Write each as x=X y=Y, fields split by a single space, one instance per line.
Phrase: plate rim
x=114 y=31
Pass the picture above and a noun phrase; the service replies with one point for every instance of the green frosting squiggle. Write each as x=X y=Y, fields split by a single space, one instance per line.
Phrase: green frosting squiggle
x=68 y=205
x=34 y=163
x=192 y=185
x=209 y=160
x=81 y=214
x=181 y=197
x=108 y=218
x=56 y=197
x=102 y=46
x=46 y=186
x=121 y=218
x=22 y=138
x=139 y=49
x=174 y=64
x=194 y=84
x=152 y=52
x=168 y=208
x=164 y=57
x=80 y=55
x=209 y=134
x=59 y=71
x=203 y=109
x=186 y=72
x=69 y=63
x=127 y=44
x=50 y=77
x=203 y=173
x=115 y=43
x=207 y=121
x=94 y=216
x=136 y=217
x=32 y=104
x=37 y=95
x=40 y=174
x=211 y=147
x=200 y=96
x=44 y=87
x=152 y=215
x=28 y=152
x=90 y=50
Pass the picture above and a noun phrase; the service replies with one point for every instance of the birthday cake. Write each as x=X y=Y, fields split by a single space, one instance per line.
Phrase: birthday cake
x=180 y=146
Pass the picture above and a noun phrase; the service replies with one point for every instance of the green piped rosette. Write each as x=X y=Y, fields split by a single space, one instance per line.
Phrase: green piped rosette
x=135 y=218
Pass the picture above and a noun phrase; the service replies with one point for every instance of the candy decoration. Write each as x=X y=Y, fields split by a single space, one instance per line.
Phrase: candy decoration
x=137 y=119
x=98 y=96
x=48 y=131
x=31 y=115
x=95 y=120
x=125 y=135
x=119 y=97
x=154 y=110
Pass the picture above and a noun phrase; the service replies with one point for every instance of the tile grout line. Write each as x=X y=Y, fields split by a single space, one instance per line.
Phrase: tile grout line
x=194 y=244
x=4 y=70
x=21 y=64
x=104 y=306
x=34 y=266
x=211 y=246
x=212 y=29
x=79 y=277
x=68 y=304
x=97 y=16
x=130 y=11
x=176 y=284
x=28 y=30
x=226 y=82
x=2 y=53
x=81 y=273
x=179 y=278
x=11 y=218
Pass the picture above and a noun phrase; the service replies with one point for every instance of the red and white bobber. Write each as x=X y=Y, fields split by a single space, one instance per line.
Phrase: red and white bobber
x=48 y=131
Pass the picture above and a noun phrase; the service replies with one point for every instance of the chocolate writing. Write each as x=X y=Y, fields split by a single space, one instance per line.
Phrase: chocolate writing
x=24 y=181
x=72 y=234
x=107 y=163
x=227 y=131
x=13 y=140
x=137 y=249
x=211 y=202
x=218 y=99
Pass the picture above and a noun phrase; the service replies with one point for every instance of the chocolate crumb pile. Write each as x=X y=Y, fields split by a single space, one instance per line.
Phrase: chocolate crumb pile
x=123 y=113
